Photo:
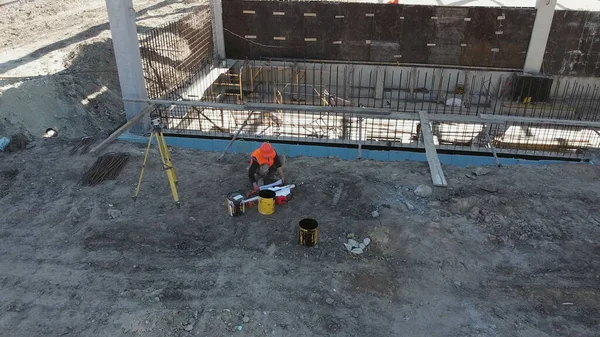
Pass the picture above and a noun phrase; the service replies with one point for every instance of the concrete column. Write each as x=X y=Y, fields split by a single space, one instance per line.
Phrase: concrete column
x=539 y=35
x=216 y=8
x=121 y=17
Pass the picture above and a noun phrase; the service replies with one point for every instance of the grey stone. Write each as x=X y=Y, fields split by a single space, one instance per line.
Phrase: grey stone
x=489 y=188
x=362 y=246
x=523 y=237
x=409 y=206
x=188 y=327
x=353 y=243
x=366 y=241
x=474 y=212
x=114 y=213
x=375 y=214
x=350 y=236
x=423 y=191
x=246 y=319
x=458 y=284
x=481 y=171
x=329 y=300
x=348 y=246
x=356 y=251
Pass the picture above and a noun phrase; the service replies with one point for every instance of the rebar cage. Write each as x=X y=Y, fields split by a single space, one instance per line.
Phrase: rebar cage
x=180 y=65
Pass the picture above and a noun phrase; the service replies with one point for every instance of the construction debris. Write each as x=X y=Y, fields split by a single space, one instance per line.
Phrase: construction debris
x=4 y=143
x=355 y=246
x=106 y=167
x=18 y=142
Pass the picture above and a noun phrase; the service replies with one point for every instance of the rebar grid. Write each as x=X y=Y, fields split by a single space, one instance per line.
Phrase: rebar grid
x=179 y=64
x=442 y=91
x=174 y=55
x=533 y=139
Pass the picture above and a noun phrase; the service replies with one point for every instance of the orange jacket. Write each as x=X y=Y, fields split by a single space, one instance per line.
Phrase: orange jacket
x=260 y=159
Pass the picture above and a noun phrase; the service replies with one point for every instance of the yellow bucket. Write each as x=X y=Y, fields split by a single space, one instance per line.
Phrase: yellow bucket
x=266 y=202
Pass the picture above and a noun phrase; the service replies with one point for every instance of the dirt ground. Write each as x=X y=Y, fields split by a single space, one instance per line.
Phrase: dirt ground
x=57 y=66
x=514 y=252
x=88 y=261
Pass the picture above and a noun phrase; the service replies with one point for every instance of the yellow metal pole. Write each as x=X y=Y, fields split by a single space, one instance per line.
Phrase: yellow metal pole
x=165 y=150
x=168 y=168
x=139 y=184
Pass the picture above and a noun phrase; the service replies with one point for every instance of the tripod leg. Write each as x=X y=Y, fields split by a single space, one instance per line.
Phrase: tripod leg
x=164 y=154
x=139 y=184
x=169 y=161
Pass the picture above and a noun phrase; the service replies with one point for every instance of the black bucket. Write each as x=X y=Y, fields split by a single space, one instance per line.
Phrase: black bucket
x=308 y=234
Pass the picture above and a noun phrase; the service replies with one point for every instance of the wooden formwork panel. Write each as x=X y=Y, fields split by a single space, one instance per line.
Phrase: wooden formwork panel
x=466 y=36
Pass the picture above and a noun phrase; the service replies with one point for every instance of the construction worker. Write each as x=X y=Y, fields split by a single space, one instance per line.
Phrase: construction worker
x=265 y=163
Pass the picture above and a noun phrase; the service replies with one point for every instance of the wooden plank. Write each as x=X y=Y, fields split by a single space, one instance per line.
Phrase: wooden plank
x=235 y=136
x=491 y=144
x=122 y=129
x=437 y=174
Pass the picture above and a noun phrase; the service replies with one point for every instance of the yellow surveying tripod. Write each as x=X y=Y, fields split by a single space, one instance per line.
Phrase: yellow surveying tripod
x=166 y=160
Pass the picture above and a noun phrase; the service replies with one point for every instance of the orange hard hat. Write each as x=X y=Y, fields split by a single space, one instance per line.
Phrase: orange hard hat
x=267 y=150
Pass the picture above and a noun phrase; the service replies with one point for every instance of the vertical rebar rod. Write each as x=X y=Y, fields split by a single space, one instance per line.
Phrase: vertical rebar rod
x=447 y=91
x=383 y=87
x=399 y=90
x=479 y=95
x=423 y=90
x=488 y=96
x=371 y=91
x=408 y=86
x=359 y=86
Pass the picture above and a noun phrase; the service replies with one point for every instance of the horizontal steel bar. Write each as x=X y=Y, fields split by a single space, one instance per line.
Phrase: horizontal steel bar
x=516 y=119
x=373 y=112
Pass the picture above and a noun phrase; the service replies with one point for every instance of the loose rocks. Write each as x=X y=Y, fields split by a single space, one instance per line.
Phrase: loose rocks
x=329 y=300
x=423 y=191
x=114 y=213
x=481 y=171
x=357 y=251
x=357 y=247
x=490 y=188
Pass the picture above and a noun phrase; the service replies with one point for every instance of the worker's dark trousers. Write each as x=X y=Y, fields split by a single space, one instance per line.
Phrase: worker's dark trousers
x=268 y=174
